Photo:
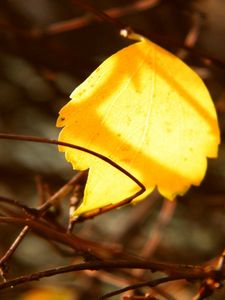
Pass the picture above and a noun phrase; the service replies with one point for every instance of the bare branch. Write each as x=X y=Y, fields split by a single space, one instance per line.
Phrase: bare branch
x=115 y=12
x=93 y=213
x=178 y=271
x=149 y=283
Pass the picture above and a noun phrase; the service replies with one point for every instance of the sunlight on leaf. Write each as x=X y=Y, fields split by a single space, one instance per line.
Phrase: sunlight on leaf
x=151 y=114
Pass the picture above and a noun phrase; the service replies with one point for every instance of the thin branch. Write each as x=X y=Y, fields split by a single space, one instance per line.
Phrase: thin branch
x=221 y=262
x=39 y=212
x=81 y=246
x=93 y=213
x=87 y=6
x=63 y=191
x=110 y=18
x=155 y=235
x=13 y=247
x=114 y=12
x=19 y=238
x=210 y=284
x=206 y=58
x=104 y=16
x=192 y=35
x=149 y=283
x=14 y=202
x=41 y=191
x=178 y=271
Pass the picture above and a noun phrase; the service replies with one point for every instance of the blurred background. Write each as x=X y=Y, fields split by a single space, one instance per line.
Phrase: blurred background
x=49 y=47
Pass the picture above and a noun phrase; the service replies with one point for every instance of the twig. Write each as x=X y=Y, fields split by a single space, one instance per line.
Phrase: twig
x=155 y=235
x=210 y=284
x=115 y=12
x=221 y=262
x=136 y=219
x=149 y=283
x=41 y=211
x=75 y=200
x=134 y=297
x=16 y=203
x=178 y=271
x=164 y=218
x=13 y=247
x=40 y=190
x=87 y=6
x=47 y=231
x=105 y=16
x=192 y=35
x=93 y=213
x=62 y=192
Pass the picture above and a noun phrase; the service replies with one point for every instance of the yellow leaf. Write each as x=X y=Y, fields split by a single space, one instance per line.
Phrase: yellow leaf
x=48 y=293
x=151 y=114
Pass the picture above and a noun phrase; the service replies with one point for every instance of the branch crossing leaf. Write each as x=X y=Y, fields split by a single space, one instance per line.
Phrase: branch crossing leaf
x=150 y=113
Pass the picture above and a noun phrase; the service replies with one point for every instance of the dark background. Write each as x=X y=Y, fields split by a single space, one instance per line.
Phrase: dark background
x=40 y=65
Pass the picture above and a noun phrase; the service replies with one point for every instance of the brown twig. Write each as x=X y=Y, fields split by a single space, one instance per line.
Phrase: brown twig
x=93 y=213
x=210 y=284
x=39 y=212
x=75 y=201
x=155 y=235
x=134 y=297
x=4 y=259
x=60 y=235
x=192 y=35
x=113 y=13
x=42 y=209
x=40 y=190
x=111 y=18
x=63 y=191
x=103 y=16
x=148 y=283
x=179 y=271
x=162 y=221
x=14 y=202
x=136 y=219
x=87 y=6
